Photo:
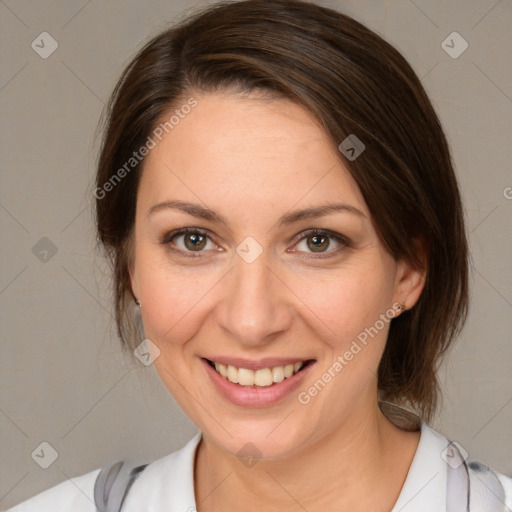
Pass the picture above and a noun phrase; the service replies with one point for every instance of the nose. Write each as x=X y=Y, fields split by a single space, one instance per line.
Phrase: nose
x=255 y=305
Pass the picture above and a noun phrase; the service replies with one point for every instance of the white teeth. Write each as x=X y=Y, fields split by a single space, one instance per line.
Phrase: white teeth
x=278 y=374
x=245 y=377
x=223 y=369
x=263 y=377
x=233 y=374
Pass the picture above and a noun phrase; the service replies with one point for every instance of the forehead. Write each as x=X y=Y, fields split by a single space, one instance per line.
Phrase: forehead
x=254 y=150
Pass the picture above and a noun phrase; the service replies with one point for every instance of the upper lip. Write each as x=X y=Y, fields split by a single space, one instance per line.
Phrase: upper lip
x=256 y=364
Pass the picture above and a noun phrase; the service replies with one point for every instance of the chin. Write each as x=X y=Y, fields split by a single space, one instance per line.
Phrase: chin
x=259 y=440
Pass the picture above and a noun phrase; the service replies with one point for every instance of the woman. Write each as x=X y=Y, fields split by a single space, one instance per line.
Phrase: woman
x=277 y=198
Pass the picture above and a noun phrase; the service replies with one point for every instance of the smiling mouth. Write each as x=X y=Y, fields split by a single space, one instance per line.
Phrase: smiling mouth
x=261 y=378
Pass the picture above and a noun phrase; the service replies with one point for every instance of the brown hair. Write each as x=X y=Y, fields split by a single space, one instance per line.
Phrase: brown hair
x=354 y=83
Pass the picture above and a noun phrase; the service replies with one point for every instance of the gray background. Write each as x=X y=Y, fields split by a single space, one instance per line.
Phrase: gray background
x=63 y=377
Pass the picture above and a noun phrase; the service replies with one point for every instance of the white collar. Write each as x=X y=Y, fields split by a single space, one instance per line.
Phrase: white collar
x=424 y=489
x=168 y=483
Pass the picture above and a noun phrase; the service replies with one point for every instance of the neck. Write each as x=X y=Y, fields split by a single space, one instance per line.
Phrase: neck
x=360 y=466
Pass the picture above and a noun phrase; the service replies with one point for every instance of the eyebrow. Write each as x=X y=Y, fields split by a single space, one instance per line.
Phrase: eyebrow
x=289 y=218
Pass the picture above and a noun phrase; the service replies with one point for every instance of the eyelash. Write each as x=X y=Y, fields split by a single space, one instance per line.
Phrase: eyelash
x=343 y=241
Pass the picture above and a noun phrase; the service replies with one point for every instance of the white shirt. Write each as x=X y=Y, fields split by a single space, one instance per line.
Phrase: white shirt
x=167 y=485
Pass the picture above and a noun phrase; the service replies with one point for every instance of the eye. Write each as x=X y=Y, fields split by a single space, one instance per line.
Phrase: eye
x=187 y=240
x=320 y=240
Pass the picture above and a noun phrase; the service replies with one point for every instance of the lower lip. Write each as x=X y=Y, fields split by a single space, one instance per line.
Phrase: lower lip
x=255 y=397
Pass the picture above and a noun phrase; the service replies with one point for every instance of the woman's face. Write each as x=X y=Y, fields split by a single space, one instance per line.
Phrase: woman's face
x=250 y=286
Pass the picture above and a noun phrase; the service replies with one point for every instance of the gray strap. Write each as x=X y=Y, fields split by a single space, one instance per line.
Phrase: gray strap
x=487 y=484
x=457 y=481
x=463 y=497
x=113 y=483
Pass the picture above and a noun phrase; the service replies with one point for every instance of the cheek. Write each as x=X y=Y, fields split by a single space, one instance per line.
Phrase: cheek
x=172 y=309
x=173 y=314
x=346 y=302
x=174 y=298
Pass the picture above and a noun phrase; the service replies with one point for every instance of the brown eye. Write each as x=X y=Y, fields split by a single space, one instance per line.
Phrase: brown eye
x=194 y=241
x=187 y=240
x=318 y=243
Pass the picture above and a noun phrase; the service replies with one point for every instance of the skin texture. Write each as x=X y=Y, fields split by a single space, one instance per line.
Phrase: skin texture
x=252 y=159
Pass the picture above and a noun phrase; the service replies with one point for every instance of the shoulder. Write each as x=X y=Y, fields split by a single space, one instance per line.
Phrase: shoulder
x=165 y=484
x=443 y=477
x=483 y=487
x=76 y=494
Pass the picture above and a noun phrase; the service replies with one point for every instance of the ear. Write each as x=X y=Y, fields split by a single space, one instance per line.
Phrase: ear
x=411 y=276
